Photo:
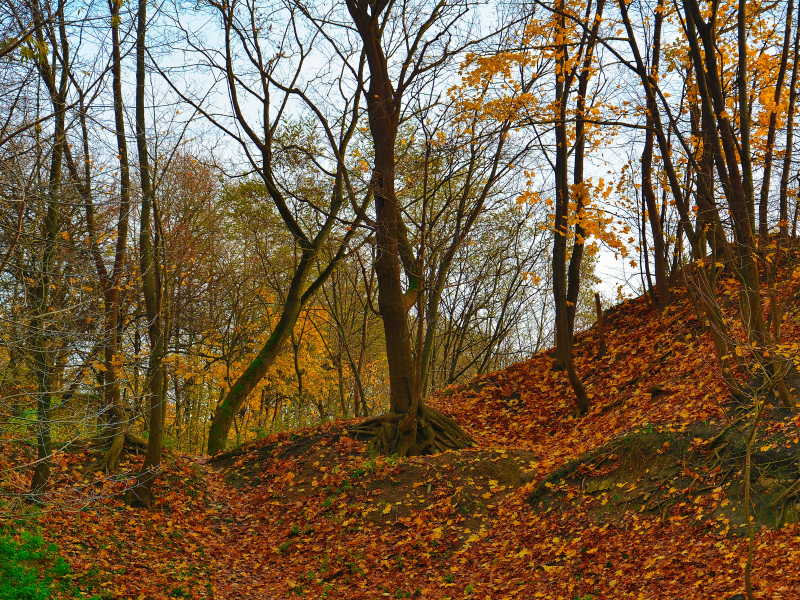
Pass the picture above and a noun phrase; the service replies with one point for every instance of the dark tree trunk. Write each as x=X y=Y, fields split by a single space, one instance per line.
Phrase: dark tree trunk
x=660 y=259
x=763 y=202
x=787 y=155
x=579 y=152
x=601 y=327
x=410 y=427
x=152 y=288
x=42 y=354
x=561 y=231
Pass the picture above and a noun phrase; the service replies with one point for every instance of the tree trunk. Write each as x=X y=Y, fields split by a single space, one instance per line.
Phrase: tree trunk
x=561 y=230
x=787 y=155
x=574 y=269
x=763 y=203
x=662 y=283
x=152 y=288
x=115 y=421
x=42 y=346
x=601 y=328
x=410 y=427
x=222 y=420
x=735 y=176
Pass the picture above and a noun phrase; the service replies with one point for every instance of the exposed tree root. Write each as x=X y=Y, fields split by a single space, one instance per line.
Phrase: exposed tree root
x=108 y=461
x=427 y=432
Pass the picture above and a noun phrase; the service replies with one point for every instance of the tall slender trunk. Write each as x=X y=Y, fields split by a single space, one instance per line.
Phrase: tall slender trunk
x=787 y=155
x=361 y=355
x=648 y=193
x=579 y=152
x=561 y=230
x=115 y=422
x=745 y=153
x=763 y=203
x=43 y=351
x=561 y=217
x=152 y=291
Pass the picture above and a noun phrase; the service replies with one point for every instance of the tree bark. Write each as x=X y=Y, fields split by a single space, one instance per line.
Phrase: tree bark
x=398 y=431
x=763 y=203
x=152 y=287
x=564 y=359
x=579 y=152
x=660 y=259
x=43 y=360
x=115 y=420
x=787 y=155
x=222 y=420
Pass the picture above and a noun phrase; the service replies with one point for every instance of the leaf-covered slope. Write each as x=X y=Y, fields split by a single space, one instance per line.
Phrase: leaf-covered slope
x=544 y=506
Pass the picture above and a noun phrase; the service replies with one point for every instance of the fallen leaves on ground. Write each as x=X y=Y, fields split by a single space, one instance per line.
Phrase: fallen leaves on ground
x=310 y=513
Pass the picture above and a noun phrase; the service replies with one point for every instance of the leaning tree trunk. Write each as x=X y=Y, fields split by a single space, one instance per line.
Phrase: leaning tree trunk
x=222 y=421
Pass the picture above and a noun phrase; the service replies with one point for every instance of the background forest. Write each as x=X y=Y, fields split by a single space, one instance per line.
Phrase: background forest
x=221 y=220
x=326 y=288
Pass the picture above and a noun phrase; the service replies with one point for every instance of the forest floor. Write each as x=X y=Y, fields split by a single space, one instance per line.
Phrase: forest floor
x=642 y=498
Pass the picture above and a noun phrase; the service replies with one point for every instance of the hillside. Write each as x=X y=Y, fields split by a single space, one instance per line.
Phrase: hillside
x=639 y=499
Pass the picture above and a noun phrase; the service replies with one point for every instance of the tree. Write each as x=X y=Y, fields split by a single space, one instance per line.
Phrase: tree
x=264 y=147
x=410 y=427
x=648 y=191
x=516 y=72
x=153 y=286
x=734 y=166
x=56 y=78
x=110 y=279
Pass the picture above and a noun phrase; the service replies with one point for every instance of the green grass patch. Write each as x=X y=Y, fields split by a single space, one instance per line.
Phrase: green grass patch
x=32 y=569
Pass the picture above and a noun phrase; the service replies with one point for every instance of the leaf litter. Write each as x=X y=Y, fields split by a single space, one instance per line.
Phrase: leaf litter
x=639 y=499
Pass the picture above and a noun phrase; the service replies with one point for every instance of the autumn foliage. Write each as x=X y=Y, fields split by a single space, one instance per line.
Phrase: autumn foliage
x=544 y=505
x=421 y=299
